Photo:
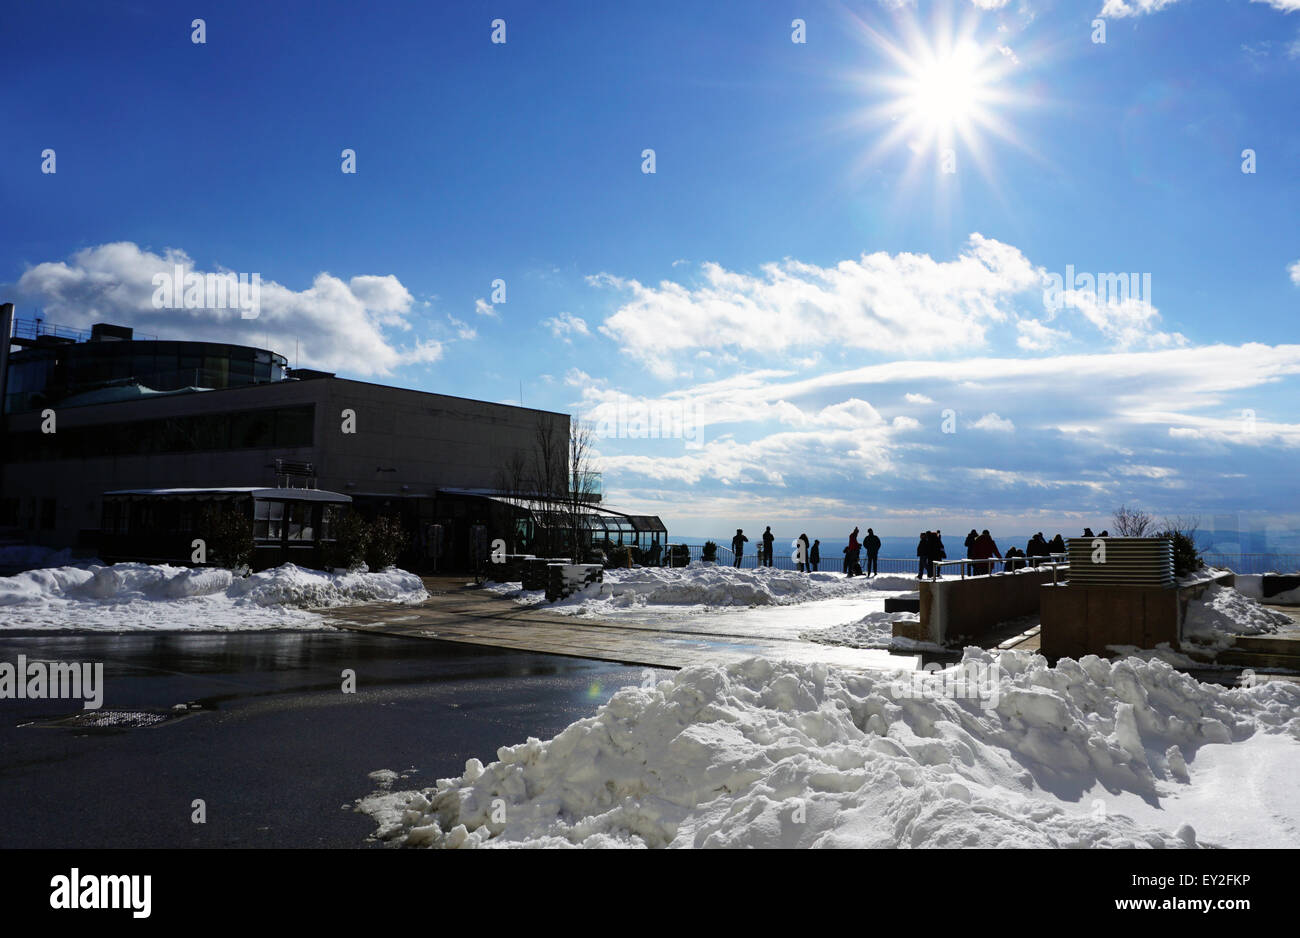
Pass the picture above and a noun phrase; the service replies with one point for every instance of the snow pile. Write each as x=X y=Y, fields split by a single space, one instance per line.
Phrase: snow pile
x=131 y=596
x=893 y=581
x=703 y=587
x=874 y=630
x=1222 y=611
x=772 y=754
x=1253 y=586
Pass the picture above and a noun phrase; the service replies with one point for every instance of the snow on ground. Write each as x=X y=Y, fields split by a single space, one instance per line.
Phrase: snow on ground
x=699 y=588
x=1222 y=612
x=766 y=753
x=1253 y=586
x=874 y=630
x=136 y=596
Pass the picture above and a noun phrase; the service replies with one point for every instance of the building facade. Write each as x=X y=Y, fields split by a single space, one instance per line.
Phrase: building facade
x=112 y=413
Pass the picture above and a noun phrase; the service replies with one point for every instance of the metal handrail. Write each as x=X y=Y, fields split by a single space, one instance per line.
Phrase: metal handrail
x=1020 y=563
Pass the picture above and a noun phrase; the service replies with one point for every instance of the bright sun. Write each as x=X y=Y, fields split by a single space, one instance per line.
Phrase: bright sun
x=942 y=95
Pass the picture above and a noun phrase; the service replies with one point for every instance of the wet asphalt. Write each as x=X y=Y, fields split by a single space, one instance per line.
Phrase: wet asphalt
x=275 y=749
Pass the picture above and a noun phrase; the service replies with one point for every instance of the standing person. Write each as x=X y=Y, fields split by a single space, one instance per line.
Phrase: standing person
x=738 y=545
x=936 y=548
x=922 y=554
x=970 y=547
x=1087 y=532
x=803 y=553
x=768 y=538
x=851 y=564
x=872 y=544
x=985 y=548
x=815 y=555
x=1057 y=546
x=1036 y=548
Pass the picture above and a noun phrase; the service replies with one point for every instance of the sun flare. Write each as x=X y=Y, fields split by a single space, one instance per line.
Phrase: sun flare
x=941 y=93
x=945 y=93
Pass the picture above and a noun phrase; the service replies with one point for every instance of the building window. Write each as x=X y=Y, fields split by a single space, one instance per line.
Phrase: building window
x=299 y=523
x=329 y=516
x=267 y=520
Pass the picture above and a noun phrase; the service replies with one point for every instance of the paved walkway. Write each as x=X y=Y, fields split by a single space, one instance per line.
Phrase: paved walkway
x=456 y=613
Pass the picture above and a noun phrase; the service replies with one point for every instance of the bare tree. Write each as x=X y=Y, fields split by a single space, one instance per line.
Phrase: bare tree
x=1132 y=522
x=548 y=480
x=581 y=484
x=512 y=482
x=558 y=485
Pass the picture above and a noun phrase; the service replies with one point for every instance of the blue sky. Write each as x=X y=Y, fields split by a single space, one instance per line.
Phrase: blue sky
x=800 y=287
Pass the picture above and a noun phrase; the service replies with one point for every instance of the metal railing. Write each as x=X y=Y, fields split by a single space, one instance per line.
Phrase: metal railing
x=1011 y=567
x=1254 y=563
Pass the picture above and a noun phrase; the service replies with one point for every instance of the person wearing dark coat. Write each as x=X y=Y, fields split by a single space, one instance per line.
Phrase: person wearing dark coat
x=984 y=548
x=936 y=548
x=803 y=554
x=852 y=564
x=738 y=545
x=1057 y=546
x=768 y=538
x=872 y=544
x=815 y=555
x=1104 y=534
x=1087 y=532
x=1013 y=561
x=1037 y=547
x=970 y=546
x=923 y=555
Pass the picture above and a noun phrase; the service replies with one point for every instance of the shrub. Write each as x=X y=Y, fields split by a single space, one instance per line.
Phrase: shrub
x=385 y=542
x=228 y=533
x=1182 y=531
x=351 y=539
x=710 y=552
x=619 y=556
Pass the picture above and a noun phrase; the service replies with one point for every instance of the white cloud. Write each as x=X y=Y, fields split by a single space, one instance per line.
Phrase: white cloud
x=903 y=303
x=850 y=414
x=566 y=325
x=483 y=308
x=1294 y=271
x=1124 y=8
x=1090 y=431
x=994 y=423
x=337 y=325
x=463 y=329
x=1036 y=337
x=1127 y=323
x=917 y=399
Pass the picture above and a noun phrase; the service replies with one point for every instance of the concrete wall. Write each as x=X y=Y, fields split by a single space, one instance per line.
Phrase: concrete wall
x=953 y=609
x=1081 y=621
x=431 y=440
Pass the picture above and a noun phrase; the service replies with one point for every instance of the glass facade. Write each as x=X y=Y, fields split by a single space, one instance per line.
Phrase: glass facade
x=57 y=374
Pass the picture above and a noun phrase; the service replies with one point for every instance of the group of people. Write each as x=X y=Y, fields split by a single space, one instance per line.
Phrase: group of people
x=807 y=557
x=981 y=550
